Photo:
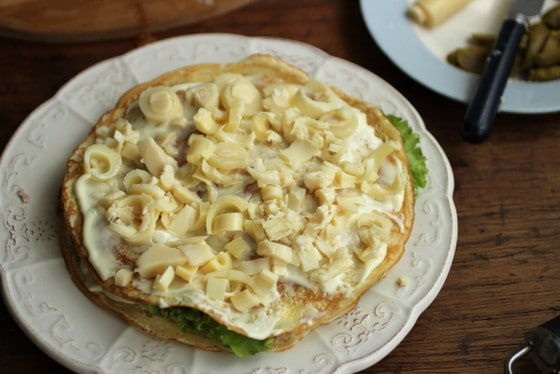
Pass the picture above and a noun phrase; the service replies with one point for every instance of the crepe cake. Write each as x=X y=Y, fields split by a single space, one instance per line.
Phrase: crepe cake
x=247 y=192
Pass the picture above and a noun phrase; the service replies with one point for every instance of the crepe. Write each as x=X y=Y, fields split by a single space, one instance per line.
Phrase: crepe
x=267 y=200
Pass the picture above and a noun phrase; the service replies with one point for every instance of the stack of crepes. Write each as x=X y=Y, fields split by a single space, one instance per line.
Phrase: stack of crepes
x=236 y=207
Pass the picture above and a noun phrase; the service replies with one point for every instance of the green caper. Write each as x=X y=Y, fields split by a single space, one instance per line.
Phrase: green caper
x=549 y=54
x=470 y=58
x=552 y=17
x=544 y=74
x=536 y=38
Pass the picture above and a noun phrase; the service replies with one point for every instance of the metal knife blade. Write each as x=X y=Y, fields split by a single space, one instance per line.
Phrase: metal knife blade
x=482 y=109
x=526 y=8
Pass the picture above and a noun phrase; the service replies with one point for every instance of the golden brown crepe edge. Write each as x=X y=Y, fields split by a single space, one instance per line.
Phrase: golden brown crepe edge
x=280 y=71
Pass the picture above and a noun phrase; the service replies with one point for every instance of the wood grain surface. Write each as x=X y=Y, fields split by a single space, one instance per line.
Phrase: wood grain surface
x=86 y=20
x=505 y=278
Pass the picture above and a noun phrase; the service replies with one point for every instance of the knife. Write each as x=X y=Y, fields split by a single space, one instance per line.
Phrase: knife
x=482 y=109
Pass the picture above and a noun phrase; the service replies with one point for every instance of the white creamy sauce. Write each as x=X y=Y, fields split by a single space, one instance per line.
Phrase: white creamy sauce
x=258 y=322
x=97 y=237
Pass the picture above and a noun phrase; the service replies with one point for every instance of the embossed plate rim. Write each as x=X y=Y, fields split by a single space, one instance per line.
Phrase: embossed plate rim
x=402 y=303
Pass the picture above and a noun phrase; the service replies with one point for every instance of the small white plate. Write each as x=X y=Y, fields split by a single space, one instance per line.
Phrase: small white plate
x=67 y=326
x=421 y=52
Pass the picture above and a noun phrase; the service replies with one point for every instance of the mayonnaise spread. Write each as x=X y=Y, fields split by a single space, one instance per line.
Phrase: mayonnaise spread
x=218 y=192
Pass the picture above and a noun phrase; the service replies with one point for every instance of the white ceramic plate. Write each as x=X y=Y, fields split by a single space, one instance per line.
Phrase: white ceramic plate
x=84 y=338
x=421 y=53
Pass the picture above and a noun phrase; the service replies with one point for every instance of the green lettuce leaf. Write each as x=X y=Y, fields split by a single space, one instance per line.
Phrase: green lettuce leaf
x=194 y=321
x=416 y=159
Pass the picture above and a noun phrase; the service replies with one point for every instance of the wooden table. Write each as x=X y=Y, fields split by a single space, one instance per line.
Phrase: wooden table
x=505 y=277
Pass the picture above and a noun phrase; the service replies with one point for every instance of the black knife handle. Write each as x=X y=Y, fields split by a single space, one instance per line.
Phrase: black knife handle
x=483 y=107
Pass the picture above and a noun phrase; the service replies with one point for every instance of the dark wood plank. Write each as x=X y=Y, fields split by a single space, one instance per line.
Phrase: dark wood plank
x=505 y=277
